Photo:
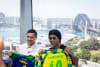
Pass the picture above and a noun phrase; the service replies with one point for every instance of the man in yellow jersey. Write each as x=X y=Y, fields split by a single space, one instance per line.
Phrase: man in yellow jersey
x=55 y=41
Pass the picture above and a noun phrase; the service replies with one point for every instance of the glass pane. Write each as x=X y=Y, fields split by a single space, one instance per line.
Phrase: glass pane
x=10 y=24
x=78 y=21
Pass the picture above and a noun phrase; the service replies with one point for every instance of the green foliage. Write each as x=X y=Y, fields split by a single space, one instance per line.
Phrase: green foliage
x=83 y=44
x=74 y=42
x=88 y=50
x=98 y=35
x=95 y=56
x=74 y=48
x=79 y=55
x=84 y=61
x=91 y=44
x=83 y=54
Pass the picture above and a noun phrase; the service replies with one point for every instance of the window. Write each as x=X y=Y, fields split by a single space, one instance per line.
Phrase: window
x=78 y=21
x=10 y=24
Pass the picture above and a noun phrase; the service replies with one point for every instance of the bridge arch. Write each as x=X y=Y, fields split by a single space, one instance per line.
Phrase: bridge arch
x=80 y=21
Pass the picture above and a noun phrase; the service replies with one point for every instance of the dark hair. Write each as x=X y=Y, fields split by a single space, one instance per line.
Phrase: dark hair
x=55 y=32
x=32 y=31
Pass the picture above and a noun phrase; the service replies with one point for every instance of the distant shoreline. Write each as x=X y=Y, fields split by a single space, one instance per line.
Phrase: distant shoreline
x=8 y=25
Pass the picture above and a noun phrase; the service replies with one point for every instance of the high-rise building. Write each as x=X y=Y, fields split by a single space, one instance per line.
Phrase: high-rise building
x=59 y=22
x=11 y=20
x=2 y=17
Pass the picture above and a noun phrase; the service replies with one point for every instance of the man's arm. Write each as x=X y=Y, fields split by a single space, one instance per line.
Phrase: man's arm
x=74 y=59
x=1 y=43
x=1 y=48
x=39 y=52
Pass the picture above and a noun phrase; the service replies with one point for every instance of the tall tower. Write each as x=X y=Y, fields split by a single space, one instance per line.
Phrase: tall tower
x=85 y=32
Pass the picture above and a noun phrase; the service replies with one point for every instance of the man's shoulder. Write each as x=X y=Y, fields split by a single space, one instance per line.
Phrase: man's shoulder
x=36 y=44
x=21 y=48
x=40 y=46
x=62 y=46
x=22 y=45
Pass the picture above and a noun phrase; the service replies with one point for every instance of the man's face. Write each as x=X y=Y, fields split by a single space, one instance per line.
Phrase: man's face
x=54 y=40
x=31 y=38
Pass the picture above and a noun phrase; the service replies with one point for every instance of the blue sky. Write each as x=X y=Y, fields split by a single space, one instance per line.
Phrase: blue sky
x=10 y=7
x=66 y=8
x=54 y=8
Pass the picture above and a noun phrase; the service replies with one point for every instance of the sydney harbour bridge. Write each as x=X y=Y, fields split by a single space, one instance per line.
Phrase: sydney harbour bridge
x=80 y=21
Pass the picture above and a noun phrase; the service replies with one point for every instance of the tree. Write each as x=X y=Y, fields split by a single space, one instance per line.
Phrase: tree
x=74 y=48
x=91 y=44
x=85 y=54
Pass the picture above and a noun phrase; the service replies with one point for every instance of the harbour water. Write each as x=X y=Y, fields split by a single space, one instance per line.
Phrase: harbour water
x=14 y=32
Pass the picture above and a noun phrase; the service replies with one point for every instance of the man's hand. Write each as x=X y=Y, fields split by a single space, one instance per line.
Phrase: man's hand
x=40 y=51
x=69 y=51
x=1 y=43
x=74 y=59
x=1 y=48
x=10 y=54
x=36 y=58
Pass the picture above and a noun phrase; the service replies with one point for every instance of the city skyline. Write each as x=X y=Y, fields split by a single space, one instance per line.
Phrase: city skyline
x=54 y=8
